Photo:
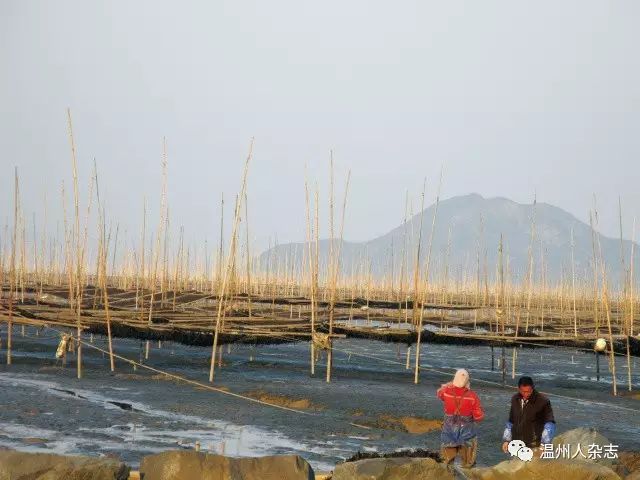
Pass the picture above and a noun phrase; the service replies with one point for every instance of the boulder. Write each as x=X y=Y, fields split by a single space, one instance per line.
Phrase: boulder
x=392 y=469
x=179 y=465
x=16 y=465
x=628 y=465
x=538 y=469
x=584 y=437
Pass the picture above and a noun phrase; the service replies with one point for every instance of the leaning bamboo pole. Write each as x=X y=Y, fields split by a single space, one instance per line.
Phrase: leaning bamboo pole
x=607 y=307
x=426 y=276
x=403 y=261
x=335 y=271
x=530 y=263
x=156 y=250
x=310 y=236
x=105 y=292
x=12 y=265
x=330 y=266
x=76 y=231
x=416 y=269
x=228 y=264
x=417 y=322
x=178 y=266
x=221 y=249
x=141 y=276
x=431 y=234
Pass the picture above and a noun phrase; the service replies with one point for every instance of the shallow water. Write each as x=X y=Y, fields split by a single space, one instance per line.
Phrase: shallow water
x=43 y=407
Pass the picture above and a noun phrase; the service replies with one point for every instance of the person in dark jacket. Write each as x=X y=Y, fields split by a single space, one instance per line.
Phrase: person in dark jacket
x=530 y=418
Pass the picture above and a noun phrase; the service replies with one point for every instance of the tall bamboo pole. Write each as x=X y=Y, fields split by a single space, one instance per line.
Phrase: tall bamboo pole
x=228 y=265
x=403 y=262
x=630 y=321
x=595 y=277
x=310 y=237
x=221 y=250
x=142 y=250
x=417 y=316
x=605 y=297
x=105 y=292
x=246 y=227
x=78 y=279
x=426 y=276
x=573 y=285
x=631 y=285
x=12 y=271
x=416 y=271
x=335 y=270
x=159 y=235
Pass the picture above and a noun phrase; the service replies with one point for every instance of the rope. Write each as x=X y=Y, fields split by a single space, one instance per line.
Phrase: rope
x=189 y=381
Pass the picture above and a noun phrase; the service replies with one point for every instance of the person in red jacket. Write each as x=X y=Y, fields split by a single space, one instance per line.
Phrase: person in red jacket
x=462 y=410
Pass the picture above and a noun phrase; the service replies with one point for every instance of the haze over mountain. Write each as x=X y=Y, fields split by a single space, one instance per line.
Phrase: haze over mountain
x=474 y=225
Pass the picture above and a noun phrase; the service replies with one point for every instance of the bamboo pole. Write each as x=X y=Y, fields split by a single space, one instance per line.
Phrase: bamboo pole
x=573 y=285
x=246 y=227
x=418 y=321
x=631 y=285
x=403 y=262
x=159 y=235
x=106 y=293
x=416 y=271
x=229 y=260
x=78 y=280
x=605 y=296
x=426 y=279
x=221 y=252
x=335 y=271
x=630 y=321
x=12 y=271
x=310 y=236
x=330 y=266
x=595 y=277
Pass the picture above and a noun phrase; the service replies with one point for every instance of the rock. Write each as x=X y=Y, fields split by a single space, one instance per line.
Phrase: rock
x=538 y=469
x=179 y=465
x=43 y=466
x=392 y=469
x=584 y=437
x=628 y=465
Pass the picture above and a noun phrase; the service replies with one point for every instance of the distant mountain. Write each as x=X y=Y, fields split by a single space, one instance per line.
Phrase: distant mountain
x=476 y=224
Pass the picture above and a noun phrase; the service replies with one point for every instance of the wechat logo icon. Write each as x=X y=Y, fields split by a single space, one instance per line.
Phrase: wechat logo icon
x=517 y=448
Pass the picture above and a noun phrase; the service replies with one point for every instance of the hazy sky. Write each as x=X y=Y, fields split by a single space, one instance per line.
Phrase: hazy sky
x=512 y=97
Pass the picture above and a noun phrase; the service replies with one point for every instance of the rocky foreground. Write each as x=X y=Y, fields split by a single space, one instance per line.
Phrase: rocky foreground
x=191 y=465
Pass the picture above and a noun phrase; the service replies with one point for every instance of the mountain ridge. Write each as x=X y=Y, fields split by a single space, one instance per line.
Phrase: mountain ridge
x=476 y=224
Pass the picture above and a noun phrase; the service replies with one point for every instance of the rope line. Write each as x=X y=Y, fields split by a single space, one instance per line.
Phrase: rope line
x=190 y=381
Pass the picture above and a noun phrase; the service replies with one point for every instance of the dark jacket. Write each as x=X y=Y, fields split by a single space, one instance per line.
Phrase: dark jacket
x=528 y=420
